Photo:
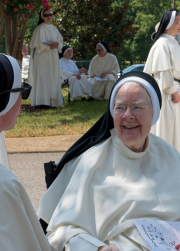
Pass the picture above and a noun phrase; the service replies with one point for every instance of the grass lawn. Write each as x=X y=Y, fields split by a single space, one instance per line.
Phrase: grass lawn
x=74 y=118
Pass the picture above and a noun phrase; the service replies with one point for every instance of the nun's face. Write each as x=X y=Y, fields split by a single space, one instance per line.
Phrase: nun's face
x=24 y=51
x=175 y=28
x=100 y=51
x=132 y=126
x=47 y=16
x=9 y=118
x=69 y=54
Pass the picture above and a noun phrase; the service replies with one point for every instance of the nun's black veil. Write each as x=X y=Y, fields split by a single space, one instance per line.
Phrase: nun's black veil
x=165 y=18
x=106 y=46
x=64 y=48
x=6 y=80
x=99 y=131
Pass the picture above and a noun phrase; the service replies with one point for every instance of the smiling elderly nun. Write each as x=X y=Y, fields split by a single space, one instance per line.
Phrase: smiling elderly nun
x=164 y=65
x=116 y=173
x=19 y=226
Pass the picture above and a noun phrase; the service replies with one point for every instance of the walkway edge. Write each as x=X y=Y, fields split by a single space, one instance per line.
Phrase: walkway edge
x=60 y=143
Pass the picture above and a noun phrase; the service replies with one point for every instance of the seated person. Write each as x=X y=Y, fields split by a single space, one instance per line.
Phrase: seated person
x=25 y=63
x=78 y=83
x=103 y=65
x=116 y=173
x=4 y=160
x=19 y=226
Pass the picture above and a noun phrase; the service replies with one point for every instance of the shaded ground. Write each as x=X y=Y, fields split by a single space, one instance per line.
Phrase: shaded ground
x=29 y=169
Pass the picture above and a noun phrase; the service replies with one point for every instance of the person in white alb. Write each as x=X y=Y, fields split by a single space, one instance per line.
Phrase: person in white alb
x=103 y=70
x=19 y=226
x=44 y=71
x=78 y=83
x=4 y=160
x=164 y=65
x=25 y=63
x=115 y=174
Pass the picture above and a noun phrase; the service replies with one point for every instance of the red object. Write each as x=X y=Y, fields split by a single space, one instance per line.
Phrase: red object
x=30 y=7
x=15 y=10
x=46 y=6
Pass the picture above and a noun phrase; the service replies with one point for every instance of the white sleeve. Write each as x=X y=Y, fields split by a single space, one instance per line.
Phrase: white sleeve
x=42 y=47
x=83 y=242
x=165 y=81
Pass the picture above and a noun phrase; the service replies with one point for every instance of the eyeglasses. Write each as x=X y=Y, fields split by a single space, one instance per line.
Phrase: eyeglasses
x=98 y=50
x=47 y=15
x=25 y=90
x=136 y=108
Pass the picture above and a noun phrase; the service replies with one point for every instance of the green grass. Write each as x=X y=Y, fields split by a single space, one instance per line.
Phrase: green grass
x=74 y=118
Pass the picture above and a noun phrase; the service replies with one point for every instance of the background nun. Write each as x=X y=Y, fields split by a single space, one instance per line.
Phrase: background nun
x=19 y=226
x=164 y=65
x=103 y=65
x=78 y=83
x=116 y=173
x=44 y=72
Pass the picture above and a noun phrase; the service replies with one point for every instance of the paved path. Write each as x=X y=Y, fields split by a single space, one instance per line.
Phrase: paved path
x=29 y=169
x=60 y=143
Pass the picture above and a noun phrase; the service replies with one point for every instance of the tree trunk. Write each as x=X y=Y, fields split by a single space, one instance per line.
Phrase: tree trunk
x=14 y=31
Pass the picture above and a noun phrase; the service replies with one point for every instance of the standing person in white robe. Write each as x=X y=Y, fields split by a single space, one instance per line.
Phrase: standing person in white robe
x=103 y=66
x=78 y=83
x=44 y=72
x=25 y=63
x=19 y=226
x=4 y=160
x=164 y=65
x=116 y=173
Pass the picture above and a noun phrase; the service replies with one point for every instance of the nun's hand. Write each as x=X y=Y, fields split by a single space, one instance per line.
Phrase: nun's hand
x=83 y=70
x=175 y=97
x=103 y=74
x=177 y=247
x=93 y=76
x=53 y=45
x=78 y=76
x=108 y=248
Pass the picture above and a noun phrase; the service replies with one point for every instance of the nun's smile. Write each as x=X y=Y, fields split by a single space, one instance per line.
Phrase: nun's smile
x=132 y=124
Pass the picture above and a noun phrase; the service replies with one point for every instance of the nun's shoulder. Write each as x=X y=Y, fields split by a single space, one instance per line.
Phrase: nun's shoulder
x=162 y=147
x=111 y=55
x=94 y=58
x=8 y=180
x=54 y=28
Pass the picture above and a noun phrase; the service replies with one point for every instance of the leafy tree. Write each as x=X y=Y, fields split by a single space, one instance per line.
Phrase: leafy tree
x=14 y=17
x=84 y=23
x=147 y=14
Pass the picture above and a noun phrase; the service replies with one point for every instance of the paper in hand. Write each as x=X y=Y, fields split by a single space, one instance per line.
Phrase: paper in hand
x=101 y=79
x=159 y=235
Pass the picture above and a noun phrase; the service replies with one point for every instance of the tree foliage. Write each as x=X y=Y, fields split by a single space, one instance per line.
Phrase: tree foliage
x=147 y=14
x=84 y=23
x=14 y=16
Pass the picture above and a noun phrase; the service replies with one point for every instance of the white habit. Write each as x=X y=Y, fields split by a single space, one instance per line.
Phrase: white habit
x=19 y=226
x=4 y=160
x=163 y=63
x=77 y=88
x=25 y=68
x=98 y=195
x=98 y=65
x=44 y=71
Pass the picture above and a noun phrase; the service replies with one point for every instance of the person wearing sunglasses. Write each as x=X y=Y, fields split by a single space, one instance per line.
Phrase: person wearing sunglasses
x=19 y=226
x=103 y=72
x=44 y=70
